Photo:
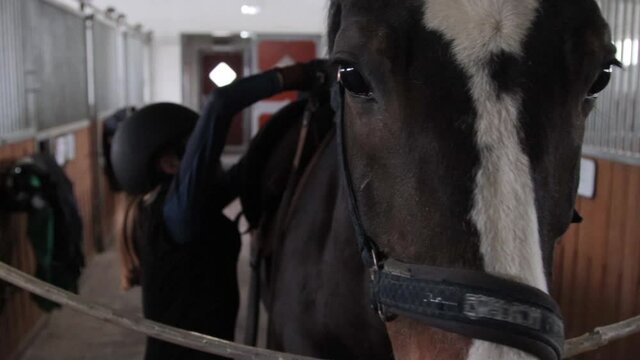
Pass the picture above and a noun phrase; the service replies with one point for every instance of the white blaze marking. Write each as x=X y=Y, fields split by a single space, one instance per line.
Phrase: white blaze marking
x=504 y=205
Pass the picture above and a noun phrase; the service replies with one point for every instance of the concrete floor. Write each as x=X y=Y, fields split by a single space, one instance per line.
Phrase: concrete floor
x=69 y=335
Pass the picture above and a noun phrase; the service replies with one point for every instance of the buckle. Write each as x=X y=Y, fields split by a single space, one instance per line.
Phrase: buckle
x=374 y=272
x=375 y=269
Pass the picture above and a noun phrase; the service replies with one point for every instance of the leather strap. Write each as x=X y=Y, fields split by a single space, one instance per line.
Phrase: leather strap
x=469 y=303
x=473 y=304
x=368 y=248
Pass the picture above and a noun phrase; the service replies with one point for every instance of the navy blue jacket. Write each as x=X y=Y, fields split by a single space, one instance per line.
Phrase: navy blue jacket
x=201 y=189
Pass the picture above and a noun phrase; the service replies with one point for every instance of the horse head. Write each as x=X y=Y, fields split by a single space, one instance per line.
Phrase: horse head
x=463 y=127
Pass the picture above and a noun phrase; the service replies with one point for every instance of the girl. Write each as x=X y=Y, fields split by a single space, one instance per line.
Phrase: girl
x=177 y=243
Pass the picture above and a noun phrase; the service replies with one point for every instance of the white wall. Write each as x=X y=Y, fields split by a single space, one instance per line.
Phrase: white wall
x=172 y=17
x=168 y=19
x=166 y=69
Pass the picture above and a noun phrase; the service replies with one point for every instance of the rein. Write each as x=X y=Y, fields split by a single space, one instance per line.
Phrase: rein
x=465 y=302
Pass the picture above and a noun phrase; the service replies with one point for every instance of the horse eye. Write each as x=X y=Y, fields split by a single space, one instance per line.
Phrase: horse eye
x=353 y=81
x=601 y=83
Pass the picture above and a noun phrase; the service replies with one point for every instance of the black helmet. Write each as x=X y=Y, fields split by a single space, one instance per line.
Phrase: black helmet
x=139 y=139
x=109 y=127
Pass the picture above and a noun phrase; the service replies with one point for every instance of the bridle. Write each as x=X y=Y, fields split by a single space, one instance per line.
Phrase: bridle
x=465 y=302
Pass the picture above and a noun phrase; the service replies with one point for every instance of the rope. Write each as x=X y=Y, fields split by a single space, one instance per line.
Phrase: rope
x=136 y=323
x=591 y=341
x=601 y=336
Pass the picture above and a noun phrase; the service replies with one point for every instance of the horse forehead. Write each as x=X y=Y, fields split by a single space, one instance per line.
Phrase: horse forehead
x=480 y=28
x=476 y=28
x=362 y=32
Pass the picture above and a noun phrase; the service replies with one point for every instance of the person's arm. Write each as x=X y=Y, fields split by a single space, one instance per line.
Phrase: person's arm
x=198 y=189
x=230 y=184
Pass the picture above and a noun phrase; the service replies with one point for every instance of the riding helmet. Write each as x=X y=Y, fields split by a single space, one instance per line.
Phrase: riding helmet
x=141 y=137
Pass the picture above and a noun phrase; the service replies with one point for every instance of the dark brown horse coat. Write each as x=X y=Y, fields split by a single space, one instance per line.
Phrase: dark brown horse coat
x=309 y=245
x=463 y=124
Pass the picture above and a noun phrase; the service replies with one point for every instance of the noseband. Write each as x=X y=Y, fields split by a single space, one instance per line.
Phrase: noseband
x=465 y=302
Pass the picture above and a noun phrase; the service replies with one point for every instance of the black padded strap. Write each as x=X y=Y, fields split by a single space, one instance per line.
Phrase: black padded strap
x=473 y=304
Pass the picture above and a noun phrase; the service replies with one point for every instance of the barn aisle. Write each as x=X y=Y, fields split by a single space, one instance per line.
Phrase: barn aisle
x=69 y=335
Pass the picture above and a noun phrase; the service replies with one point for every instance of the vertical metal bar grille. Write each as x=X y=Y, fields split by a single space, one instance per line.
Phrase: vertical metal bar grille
x=147 y=65
x=13 y=116
x=613 y=129
x=108 y=88
x=59 y=65
x=135 y=69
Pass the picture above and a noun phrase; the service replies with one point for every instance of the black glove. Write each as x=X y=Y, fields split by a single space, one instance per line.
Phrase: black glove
x=305 y=76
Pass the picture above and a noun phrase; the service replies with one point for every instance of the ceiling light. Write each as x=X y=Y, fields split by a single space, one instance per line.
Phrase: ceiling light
x=245 y=34
x=222 y=75
x=250 y=9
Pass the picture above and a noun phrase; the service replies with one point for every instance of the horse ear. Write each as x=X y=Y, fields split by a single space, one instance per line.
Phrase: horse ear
x=577 y=218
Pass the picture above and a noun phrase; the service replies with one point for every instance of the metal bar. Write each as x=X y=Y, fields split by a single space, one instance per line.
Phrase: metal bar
x=103 y=13
x=635 y=143
x=604 y=118
x=632 y=29
x=91 y=71
x=126 y=68
x=62 y=129
x=65 y=7
x=599 y=153
x=17 y=136
x=60 y=58
x=96 y=179
x=13 y=114
x=102 y=115
x=105 y=55
x=613 y=129
x=623 y=79
x=617 y=84
x=84 y=5
x=148 y=68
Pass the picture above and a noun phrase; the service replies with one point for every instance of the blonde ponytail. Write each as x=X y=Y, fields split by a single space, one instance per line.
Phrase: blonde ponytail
x=130 y=260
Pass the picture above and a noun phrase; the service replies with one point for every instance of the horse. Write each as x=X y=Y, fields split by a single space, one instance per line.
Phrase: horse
x=423 y=225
